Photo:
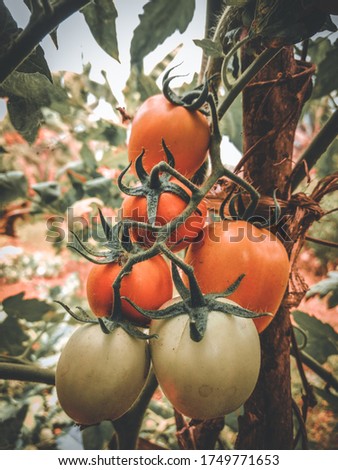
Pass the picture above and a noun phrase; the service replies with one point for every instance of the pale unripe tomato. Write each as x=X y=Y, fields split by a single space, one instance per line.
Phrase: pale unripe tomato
x=210 y=378
x=99 y=376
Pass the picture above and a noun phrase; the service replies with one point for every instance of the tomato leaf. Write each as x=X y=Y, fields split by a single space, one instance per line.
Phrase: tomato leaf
x=88 y=158
x=231 y=124
x=159 y=20
x=12 y=336
x=27 y=93
x=99 y=187
x=49 y=191
x=286 y=22
x=13 y=185
x=210 y=47
x=331 y=399
x=11 y=422
x=29 y=309
x=326 y=77
x=322 y=340
x=24 y=110
x=326 y=287
x=100 y=16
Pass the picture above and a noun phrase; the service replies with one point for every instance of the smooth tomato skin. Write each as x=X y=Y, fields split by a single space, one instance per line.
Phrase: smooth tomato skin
x=99 y=376
x=186 y=134
x=210 y=378
x=169 y=207
x=148 y=285
x=227 y=249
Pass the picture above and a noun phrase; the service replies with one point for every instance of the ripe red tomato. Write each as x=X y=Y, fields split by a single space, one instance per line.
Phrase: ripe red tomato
x=169 y=207
x=186 y=134
x=149 y=284
x=227 y=249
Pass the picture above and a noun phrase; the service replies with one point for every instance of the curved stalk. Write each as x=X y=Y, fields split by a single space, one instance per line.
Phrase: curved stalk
x=263 y=59
x=227 y=58
x=33 y=34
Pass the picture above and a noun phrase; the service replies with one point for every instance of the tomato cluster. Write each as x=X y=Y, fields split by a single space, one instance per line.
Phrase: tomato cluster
x=99 y=376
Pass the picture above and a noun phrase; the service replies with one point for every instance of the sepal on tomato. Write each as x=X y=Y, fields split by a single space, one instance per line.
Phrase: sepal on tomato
x=153 y=184
x=197 y=306
x=107 y=325
x=193 y=100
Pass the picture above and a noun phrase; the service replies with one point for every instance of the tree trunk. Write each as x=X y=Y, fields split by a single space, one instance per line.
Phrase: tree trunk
x=272 y=104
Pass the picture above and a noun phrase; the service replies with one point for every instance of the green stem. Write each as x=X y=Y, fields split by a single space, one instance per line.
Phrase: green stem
x=314 y=365
x=26 y=373
x=263 y=59
x=33 y=34
x=196 y=296
x=314 y=151
x=128 y=426
x=319 y=241
x=227 y=59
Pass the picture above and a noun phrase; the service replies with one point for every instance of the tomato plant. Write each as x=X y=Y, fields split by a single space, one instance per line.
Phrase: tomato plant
x=169 y=207
x=99 y=376
x=249 y=50
x=148 y=284
x=227 y=249
x=212 y=377
x=185 y=132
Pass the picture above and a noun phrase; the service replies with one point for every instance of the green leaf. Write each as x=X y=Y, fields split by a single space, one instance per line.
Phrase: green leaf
x=49 y=191
x=11 y=422
x=327 y=77
x=231 y=124
x=100 y=16
x=88 y=158
x=13 y=185
x=138 y=88
x=29 y=309
x=328 y=286
x=159 y=20
x=12 y=337
x=322 y=340
x=25 y=115
x=210 y=47
x=286 y=22
x=27 y=94
x=99 y=187
x=331 y=399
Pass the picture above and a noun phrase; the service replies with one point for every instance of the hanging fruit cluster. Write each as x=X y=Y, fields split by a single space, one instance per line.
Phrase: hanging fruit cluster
x=203 y=344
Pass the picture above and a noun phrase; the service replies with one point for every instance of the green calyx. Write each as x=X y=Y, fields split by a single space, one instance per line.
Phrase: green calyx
x=192 y=100
x=197 y=306
x=239 y=211
x=117 y=241
x=108 y=325
x=153 y=184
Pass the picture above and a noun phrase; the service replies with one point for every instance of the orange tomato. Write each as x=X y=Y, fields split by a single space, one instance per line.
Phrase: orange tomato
x=186 y=134
x=227 y=249
x=169 y=207
x=149 y=285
